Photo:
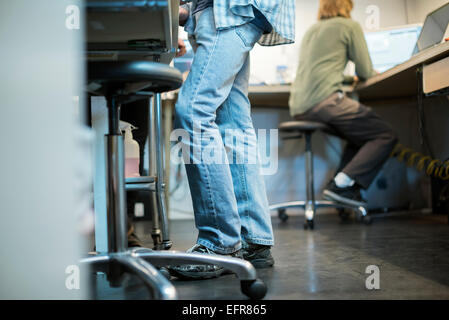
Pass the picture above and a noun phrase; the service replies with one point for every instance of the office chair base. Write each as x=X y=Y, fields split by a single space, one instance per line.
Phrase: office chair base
x=251 y=286
x=116 y=264
x=362 y=213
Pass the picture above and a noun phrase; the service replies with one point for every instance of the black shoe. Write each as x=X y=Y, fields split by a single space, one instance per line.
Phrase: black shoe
x=259 y=255
x=350 y=195
x=201 y=272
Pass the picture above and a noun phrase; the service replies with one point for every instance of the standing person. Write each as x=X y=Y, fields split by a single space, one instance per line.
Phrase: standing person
x=229 y=199
x=316 y=95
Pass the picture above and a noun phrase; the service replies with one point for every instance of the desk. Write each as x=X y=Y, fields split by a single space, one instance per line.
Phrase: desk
x=399 y=82
x=275 y=96
x=402 y=80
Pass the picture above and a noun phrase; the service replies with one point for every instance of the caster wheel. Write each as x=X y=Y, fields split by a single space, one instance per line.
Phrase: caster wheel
x=309 y=225
x=282 y=214
x=367 y=220
x=344 y=215
x=254 y=289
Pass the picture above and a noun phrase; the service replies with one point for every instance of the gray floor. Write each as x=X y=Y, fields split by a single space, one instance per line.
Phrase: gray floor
x=329 y=262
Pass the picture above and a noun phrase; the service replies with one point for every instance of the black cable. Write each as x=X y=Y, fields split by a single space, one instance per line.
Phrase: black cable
x=424 y=139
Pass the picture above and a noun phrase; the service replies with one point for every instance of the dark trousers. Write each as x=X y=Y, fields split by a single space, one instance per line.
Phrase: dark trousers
x=370 y=140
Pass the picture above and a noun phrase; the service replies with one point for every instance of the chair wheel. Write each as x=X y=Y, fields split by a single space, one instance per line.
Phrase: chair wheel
x=310 y=224
x=254 y=289
x=282 y=214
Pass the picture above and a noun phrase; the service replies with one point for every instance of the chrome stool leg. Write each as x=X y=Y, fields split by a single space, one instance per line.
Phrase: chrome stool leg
x=160 y=192
x=118 y=260
x=161 y=288
x=158 y=285
x=310 y=202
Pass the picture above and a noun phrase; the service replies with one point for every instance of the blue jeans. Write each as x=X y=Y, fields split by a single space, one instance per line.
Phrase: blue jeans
x=229 y=196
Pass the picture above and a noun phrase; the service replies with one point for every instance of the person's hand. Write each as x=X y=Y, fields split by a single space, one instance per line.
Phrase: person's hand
x=182 y=50
x=183 y=16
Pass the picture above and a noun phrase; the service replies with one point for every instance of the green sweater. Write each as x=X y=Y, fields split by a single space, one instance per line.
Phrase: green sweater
x=326 y=48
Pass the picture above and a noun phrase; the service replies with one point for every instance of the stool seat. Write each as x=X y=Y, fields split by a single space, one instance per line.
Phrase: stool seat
x=115 y=75
x=303 y=126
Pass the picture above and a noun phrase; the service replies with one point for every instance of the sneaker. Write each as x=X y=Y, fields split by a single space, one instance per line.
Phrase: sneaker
x=350 y=195
x=259 y=255
x=201 y=272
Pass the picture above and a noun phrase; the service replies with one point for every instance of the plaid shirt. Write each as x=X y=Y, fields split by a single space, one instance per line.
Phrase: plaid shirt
x=231 y=13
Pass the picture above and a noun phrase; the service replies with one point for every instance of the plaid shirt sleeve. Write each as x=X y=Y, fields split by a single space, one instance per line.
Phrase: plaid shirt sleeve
x=279 y=13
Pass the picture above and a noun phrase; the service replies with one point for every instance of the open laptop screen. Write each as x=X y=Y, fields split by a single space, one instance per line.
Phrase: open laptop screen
x=434 y=28
x=389 y=48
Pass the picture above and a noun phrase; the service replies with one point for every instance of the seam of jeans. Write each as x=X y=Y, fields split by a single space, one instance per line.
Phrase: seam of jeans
x=245 y=189
x=216 y=224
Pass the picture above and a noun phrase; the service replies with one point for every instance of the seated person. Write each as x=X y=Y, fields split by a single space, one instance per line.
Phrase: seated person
x=316 y=95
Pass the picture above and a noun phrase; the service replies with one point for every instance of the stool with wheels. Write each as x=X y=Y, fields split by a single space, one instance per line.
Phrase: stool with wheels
x=117 y=81
x=306 y=129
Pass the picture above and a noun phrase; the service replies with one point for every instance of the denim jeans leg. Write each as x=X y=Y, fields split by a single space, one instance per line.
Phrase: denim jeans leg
x=237 y=130
x=219 y=57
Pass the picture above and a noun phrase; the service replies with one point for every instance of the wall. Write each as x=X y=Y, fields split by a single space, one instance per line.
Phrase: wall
x=392 y=13
x=44 y=169
x=417 y=10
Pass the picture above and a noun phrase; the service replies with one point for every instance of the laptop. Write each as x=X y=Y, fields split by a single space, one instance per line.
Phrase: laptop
x=434 y=29
x=391 y=47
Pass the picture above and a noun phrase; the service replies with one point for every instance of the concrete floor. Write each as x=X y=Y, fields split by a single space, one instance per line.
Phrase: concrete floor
x=329 y=262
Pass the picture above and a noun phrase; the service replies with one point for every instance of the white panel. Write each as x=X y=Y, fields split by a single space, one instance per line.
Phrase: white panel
x=44 y=168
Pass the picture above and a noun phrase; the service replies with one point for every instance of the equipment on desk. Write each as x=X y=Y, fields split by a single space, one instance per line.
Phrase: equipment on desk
x=391 y=47
x=434 y=29
x=130 y=29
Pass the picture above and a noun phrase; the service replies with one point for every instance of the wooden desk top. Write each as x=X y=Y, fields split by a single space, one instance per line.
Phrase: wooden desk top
x=274 y=96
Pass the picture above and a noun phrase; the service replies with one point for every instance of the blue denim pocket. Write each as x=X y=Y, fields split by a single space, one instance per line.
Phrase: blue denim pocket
x=249 y=34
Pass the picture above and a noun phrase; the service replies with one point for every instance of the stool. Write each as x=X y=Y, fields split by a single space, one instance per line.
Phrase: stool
x=306 y=129
x=120 y=81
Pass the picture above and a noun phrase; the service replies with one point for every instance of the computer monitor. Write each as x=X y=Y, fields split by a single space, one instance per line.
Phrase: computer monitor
x=434 y=28
x=391 y=47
